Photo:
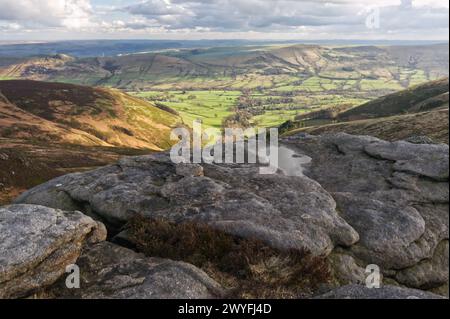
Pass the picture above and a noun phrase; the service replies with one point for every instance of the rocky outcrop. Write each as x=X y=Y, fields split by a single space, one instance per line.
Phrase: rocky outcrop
x=38 y=243
x=285 y=212
x=395 y=195
x=109 y=271
x=361 y=201
x=386 y=292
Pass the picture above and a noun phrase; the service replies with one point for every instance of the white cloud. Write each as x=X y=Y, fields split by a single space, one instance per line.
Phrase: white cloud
x=55 y=13
x=8 y=26
x=412 y=19
x=287 y=15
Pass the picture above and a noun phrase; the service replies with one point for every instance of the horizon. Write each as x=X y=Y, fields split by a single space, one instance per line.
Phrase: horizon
x=268 y=40
x=121 y=47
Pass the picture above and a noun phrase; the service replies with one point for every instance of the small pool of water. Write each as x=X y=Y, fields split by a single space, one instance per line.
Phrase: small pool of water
x=292 y=163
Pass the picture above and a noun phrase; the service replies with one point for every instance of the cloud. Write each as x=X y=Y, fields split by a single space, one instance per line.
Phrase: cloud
x=288 y=15
x=312 y=19
x=155 y=8
x=8 y=27
x=71 y=14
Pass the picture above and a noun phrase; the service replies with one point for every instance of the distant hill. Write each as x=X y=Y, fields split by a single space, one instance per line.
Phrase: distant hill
x=72 y=114
x=420 y=111
x=419 y=98
x=94 y=48
x=225 y=67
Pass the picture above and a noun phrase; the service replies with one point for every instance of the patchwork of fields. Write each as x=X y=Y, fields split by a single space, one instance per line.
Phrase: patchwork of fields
x=270 y=106
x=258 y=85
x=272 y=99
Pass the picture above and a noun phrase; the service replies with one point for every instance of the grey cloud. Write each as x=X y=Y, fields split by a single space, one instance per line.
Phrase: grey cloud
x=241 y=15
x=155 y=8
x=294 y=18
x=283 y=15
x=279 y=15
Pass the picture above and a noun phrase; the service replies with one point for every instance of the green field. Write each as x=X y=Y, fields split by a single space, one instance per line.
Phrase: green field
x=272 y=100
x=271 y=108
x=367 y=85
x=275 y=118
x=211 y=107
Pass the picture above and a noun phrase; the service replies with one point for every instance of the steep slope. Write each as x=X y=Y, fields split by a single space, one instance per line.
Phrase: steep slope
x=432 y=59
x=38 y=68
x=420 y=98
x=82 y=115
x=420 y=111
x=432 y=124
x=51 y=129
x=17 y=123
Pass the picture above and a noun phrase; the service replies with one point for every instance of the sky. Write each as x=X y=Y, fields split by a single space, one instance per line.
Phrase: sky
x=48 y=20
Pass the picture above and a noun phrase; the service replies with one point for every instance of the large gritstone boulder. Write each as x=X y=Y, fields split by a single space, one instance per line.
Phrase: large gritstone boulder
x=38 y=243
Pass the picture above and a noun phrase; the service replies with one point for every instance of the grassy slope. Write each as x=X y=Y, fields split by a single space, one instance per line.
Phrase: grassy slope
x=83 y=115
x=421 y=110
x=401 y=102
x=51 y=129
x=433 y=124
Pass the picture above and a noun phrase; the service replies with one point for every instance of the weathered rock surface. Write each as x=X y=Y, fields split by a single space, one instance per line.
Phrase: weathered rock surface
x=386 y=292
x=285 y=212
x=429 y=273
x=366 y=200
x=38 y=243
x=109 y=271
x=395 y=195
x=424 y=160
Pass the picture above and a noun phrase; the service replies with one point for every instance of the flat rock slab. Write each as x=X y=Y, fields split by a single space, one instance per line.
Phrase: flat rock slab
x=109 y=271
x=284 y=212
x=38 y=243
x=386 y=292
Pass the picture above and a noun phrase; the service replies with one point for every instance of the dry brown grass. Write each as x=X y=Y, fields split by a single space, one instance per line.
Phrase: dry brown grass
x=433 y=124
x=249 y=268
x=24 y=165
